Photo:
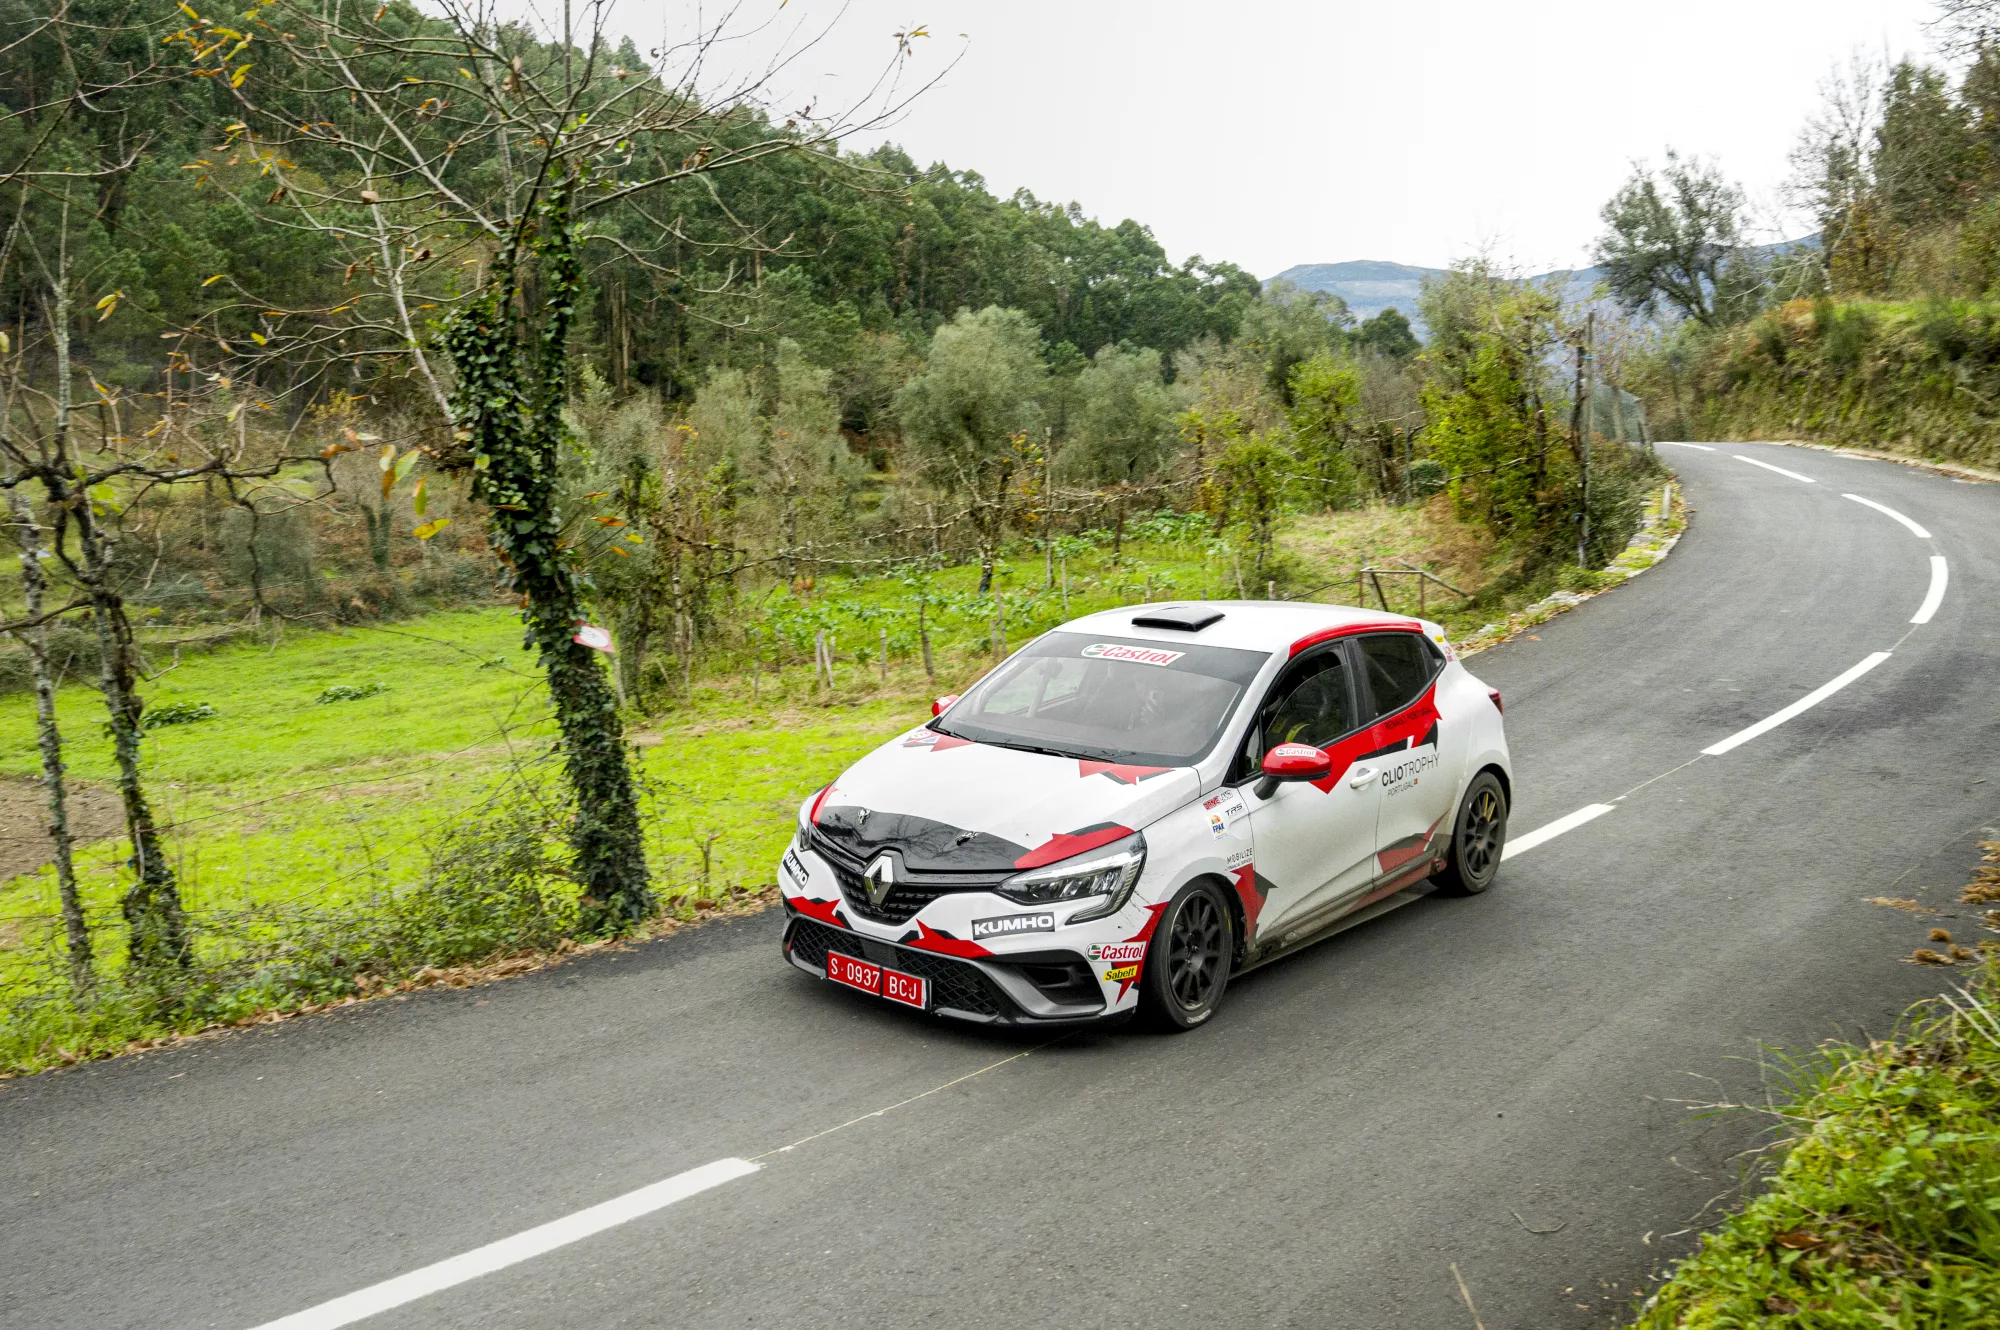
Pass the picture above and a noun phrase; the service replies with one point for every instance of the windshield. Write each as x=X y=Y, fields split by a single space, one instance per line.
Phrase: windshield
x=1079 y=695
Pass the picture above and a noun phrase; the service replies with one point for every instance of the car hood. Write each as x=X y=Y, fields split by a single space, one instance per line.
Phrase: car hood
x=952 y=805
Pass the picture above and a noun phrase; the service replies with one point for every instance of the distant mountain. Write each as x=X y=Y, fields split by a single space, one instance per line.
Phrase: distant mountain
x=1370 y=286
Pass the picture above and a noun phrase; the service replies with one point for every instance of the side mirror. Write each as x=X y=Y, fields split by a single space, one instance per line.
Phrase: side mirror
x=943 y=704
x=1291 y=762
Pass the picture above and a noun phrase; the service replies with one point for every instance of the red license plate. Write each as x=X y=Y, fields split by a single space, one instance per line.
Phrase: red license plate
x=907 y=989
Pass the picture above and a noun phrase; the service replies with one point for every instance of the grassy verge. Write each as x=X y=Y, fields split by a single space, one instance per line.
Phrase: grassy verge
x=1884 y=1206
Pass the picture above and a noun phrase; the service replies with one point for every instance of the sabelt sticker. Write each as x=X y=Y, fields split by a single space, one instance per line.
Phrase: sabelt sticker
x=1136 y=655
x=1009 y=924
x=1121 y=974
x=1118 y=953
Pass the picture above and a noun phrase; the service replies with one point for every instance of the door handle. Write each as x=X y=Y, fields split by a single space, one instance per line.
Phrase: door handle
x=1361 y=776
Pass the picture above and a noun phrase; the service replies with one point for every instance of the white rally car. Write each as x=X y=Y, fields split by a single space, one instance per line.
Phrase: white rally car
x=1143 y=802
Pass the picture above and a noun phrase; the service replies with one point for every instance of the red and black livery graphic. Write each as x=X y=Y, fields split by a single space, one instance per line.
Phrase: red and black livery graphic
x=1412 y=727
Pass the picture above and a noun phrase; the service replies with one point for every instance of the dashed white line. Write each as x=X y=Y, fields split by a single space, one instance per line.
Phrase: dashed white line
x=352 y=1307
x=1554 y=829
x=1768 y=467
x=1669 y=443
x=1940 y=576
x=1915 y=530
x=1804 y=704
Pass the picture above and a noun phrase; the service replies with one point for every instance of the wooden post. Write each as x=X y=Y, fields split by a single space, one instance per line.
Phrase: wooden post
x=885 y=657
x=1421 y=579
x=924 y=639
x=756 y=656
x=1065 y=583
x=1585 y=368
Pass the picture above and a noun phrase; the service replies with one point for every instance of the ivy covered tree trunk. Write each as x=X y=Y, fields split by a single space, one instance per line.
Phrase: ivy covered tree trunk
x=156 y=925
x=508 y=412
x=34 y=584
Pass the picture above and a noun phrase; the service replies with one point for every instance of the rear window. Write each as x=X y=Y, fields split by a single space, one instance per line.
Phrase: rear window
x=1108 y=698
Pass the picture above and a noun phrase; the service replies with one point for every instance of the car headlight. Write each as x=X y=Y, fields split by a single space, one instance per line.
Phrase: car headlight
x=1111 y=872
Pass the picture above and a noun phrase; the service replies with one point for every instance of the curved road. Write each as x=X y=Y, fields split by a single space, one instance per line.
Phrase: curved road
x=1505 y=1085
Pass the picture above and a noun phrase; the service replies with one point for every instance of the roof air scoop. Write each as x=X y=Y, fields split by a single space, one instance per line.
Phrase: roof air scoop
x=1181 y=618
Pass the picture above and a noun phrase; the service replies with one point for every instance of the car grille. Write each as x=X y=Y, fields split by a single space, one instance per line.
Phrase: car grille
x=953 y=983
x=911 y=893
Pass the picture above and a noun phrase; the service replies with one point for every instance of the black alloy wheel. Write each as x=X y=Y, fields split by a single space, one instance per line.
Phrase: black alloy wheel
x=1477 y=839
x=1192 y=953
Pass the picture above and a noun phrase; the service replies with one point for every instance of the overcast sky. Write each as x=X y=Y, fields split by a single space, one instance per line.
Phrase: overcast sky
x=1310 y=131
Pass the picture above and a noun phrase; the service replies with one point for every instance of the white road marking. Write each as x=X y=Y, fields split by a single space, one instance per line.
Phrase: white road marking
x=1768 y=467
x=1940 y=575
x=1915 y=530
x=499 y=1255
x=1669 y=443
x=1554 y=829
x=1804 y=704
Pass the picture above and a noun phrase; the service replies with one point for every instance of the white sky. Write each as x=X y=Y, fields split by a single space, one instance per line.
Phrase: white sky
x=1275 y=132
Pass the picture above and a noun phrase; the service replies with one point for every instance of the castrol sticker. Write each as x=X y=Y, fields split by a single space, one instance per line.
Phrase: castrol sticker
x=1137 y=655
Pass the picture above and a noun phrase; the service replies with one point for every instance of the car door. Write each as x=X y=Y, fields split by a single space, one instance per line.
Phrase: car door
x=1312 y=841
x=1400 y=673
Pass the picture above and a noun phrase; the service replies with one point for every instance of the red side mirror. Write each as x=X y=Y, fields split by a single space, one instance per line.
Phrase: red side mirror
x=943 y=704
x=1298 y=762
x=1289 y=762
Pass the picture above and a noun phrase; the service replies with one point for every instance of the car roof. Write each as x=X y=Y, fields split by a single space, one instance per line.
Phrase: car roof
x=1249 y=625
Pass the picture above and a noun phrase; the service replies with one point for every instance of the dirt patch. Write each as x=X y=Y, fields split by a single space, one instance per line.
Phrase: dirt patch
x=94 y=813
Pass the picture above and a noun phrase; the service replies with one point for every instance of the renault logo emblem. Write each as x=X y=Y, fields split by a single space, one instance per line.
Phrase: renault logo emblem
x=878 y=878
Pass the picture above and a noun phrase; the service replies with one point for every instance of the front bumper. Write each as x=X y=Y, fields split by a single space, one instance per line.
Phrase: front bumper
x=1052 y=987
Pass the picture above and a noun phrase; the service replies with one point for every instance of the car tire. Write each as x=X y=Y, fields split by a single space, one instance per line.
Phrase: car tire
x=1478 y=836
x=1187 y=967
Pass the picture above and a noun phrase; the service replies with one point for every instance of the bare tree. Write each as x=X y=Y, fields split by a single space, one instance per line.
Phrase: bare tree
x=468 y=163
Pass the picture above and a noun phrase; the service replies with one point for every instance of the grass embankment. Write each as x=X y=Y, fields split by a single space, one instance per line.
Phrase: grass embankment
x=1884 y=1206
x=323 y=846
x=1917 y=378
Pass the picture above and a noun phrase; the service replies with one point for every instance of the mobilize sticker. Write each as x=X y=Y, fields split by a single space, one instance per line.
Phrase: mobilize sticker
x=1137 y=655
x=1009 y=924
x=1118 y=953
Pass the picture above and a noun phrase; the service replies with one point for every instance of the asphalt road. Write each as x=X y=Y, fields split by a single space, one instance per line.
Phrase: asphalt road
x=1505 y=1084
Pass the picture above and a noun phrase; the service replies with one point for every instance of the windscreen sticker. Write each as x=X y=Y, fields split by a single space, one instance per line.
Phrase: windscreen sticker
x=1137 y=655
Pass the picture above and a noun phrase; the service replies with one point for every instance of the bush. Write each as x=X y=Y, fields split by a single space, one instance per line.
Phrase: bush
x=177 y=713
x=349 y=692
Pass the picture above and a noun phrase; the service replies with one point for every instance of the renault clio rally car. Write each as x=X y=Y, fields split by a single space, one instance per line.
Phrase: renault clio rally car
x=1145 y=801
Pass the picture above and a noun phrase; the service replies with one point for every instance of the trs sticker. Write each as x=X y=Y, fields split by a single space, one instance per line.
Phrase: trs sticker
x=1123 y=974
x=1137 y=655
x=1118 y=953
x=1009 y=924
x=793 y=867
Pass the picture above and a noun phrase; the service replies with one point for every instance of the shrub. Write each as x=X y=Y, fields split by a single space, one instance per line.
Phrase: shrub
x=349 y=692
x=177 y=713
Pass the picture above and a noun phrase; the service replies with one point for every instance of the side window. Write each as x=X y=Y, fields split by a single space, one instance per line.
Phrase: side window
x=1399 y=666
x=1311 y=704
